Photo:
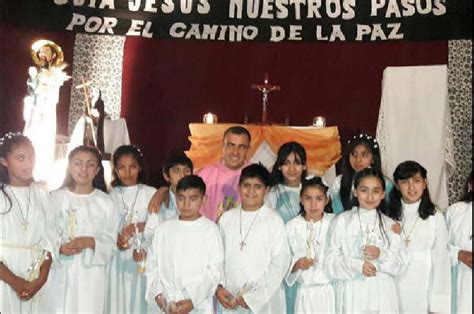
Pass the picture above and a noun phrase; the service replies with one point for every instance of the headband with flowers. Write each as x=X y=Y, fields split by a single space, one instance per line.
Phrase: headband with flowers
x=9 y=136
x=368 y=138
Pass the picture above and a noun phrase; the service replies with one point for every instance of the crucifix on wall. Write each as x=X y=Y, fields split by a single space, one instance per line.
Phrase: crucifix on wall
x=265 y=89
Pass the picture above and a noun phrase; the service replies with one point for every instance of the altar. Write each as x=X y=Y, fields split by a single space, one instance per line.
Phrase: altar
x=322 y=145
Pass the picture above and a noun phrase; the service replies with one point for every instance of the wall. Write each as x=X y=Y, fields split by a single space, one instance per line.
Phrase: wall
x=168 y=84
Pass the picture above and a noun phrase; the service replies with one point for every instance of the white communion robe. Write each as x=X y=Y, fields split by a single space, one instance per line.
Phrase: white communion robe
x=20 y=247
x=315 y=292
x=126 y=286
x=77 y=284
x=166 y=213
x=185 y=262
x=425 y=285
x=459 y=219
x=356 y=293
x=261 y=264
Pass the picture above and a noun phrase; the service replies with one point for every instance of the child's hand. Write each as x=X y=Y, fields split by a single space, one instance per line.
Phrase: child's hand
x=77 y=245
x=162 y=195
x=122 y=242
x=241 y=302
x=465 y=257
x=303 y=264
x=397 y=228
x=371 y=252
x=128 y=231
x=225 y=298
x=369 y=270
x=31 y=289
x=161 y=301
x=69 y=249
x=139 y=255
x=22 y=288
x=184 y=307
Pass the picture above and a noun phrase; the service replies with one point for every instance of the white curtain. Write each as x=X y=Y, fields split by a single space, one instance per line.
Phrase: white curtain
x=414 y=124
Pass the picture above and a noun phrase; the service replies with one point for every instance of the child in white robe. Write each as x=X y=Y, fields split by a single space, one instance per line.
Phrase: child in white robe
x=86 y=226
x=425 y=285
x=308 y=238
x=256 y=251
x=176 y=166
x=25 y=246
x=284 y=196
x=131 y=195
x=459 y=219
x=364 y=254
x=185 y=262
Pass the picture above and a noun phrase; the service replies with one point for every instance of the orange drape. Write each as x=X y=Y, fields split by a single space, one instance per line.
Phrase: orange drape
x=323 y=146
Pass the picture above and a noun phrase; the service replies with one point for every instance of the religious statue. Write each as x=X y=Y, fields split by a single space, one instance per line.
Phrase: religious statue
x=39 y=112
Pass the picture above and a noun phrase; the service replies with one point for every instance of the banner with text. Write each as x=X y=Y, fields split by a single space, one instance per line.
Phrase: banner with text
x=250 y=20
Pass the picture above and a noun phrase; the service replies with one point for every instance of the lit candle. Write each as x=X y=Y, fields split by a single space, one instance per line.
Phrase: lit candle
x=319 y=122
x=210 y=118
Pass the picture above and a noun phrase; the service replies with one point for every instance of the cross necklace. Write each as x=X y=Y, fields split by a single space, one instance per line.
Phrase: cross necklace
x=24 y=218
x=242 y=240
x=368 y=231
x=407 y=238
x=313 y=240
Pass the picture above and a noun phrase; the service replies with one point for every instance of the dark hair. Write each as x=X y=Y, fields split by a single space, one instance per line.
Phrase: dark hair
x=382 y=208
x=238 y=130
x=191 y=182
x=467 y=196
x=404 y=171
x=315 y=182
x=177 y=158
x=7 y=143
x=348 y=173
x=98 y=182
x=128 y=150
x=284 y=151
x=255 y=171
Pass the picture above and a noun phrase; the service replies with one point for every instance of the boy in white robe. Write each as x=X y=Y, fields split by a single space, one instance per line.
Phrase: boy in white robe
x=163 y=205
x=185 y=261
x=257 y=254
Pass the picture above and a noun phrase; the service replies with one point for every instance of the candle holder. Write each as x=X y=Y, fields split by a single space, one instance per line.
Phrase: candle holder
x=209 y=118
x=319 y=122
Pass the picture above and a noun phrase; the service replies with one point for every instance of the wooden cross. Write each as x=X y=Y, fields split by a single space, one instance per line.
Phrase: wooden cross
x=242 y=244
x=84 y=87
x=265 y=89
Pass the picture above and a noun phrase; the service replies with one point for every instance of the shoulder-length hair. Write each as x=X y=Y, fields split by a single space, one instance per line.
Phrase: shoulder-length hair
x=98 y=182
